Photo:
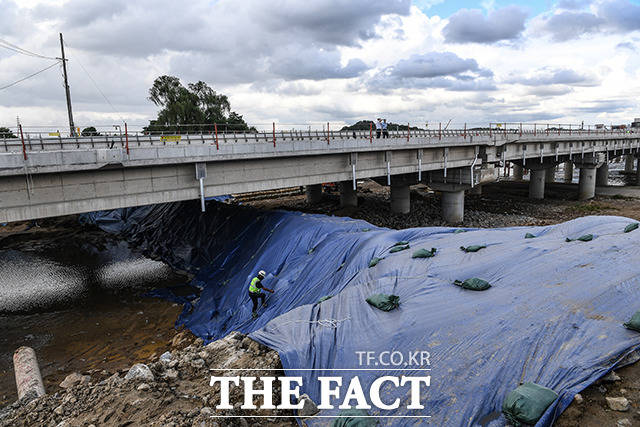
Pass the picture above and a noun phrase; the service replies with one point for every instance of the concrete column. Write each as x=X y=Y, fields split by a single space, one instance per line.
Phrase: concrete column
x=348 y=196
x=453 y=206
x=517 y=172
x=638 y=172
x=568 y=171
x=550 y=175
x=536 y=184
x=587 y=183
x=628 y=163
x=400 y=198
x=314 y=193
x=602 y=175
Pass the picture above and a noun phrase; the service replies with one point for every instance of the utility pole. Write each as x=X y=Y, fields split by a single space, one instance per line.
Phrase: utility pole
x=72 y=127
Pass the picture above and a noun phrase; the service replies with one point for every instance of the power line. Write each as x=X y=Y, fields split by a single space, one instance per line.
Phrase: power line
x=29 y=76
x=97 y=87
x=18 y=49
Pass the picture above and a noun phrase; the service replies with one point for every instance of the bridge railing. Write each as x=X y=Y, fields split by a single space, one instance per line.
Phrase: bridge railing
x=26 y=140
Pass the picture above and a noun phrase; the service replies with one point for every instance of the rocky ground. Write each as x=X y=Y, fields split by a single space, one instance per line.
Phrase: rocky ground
x=168 y=390
x=504 y=204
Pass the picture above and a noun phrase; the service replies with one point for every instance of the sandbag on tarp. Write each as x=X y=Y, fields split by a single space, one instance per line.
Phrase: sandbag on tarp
x=473 y=284
x=567 y=336
x=354 y=418
x=527 y=403
x=374 y=261
x=401 y=243
x=384 y=302
x=472 y=248
x=634 y=322
x=398 y=248
x=529 y=236
x=583 y=238
x=631 y=227
x=424 y=253
x=325 y=298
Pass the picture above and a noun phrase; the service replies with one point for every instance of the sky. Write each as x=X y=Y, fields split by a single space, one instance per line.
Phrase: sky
x=304 y=63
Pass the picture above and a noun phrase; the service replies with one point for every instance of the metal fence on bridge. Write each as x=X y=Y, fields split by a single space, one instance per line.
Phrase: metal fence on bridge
x=36 y=138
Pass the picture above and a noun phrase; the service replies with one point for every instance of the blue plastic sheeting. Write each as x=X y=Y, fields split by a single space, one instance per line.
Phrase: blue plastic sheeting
x=553 y=315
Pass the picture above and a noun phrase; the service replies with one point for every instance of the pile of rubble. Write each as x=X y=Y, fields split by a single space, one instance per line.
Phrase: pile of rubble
x=172 y=390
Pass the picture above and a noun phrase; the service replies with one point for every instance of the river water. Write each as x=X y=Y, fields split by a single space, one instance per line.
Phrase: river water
x=79 y=302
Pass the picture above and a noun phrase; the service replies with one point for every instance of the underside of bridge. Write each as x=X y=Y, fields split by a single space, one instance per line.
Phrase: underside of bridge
x=53 y=183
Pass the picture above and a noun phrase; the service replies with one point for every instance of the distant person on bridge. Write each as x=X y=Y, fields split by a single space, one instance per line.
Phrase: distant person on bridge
x=385 y=132
x=378 y=128
x=255 y=292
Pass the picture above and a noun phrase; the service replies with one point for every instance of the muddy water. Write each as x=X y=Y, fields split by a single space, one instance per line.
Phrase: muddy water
x=80 y=304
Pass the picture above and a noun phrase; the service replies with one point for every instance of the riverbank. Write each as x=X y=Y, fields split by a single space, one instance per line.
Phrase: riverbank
x=75 y=294
x=105 y=337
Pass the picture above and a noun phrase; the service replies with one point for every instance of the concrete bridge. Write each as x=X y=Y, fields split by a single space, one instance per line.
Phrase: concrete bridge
x=51 y=176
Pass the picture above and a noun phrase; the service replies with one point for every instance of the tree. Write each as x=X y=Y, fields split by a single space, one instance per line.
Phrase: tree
x=369 y=124
x=197 y=104
x=90 y=131
x=6 y=133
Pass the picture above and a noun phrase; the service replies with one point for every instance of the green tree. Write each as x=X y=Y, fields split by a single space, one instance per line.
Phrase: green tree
x=6 y=133
x=90 y=131
x=197 y=105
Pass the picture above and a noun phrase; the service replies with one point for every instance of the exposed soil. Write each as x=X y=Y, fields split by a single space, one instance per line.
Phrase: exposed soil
x=503 y=204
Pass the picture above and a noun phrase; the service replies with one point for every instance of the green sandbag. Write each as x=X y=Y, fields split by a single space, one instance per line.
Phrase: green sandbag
x=527 y=403
x=473 y=284
x=583 y=238
x=529 y=236
x=398 y=248
x=353 y=418
x=472 y=248
x=424 y=253
x=631 y=227
x=374 y=261
x=634 y=322
x=459 y=230
x=384 y=302
x=325 y=298
x=401 y=243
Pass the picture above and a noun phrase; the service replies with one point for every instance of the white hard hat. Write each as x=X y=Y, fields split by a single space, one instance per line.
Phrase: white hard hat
x=262 y=273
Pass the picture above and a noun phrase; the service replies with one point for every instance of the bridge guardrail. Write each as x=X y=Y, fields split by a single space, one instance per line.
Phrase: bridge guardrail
x=27 y=141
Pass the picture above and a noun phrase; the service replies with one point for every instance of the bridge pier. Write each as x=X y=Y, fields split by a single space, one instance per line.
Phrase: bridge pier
x=550 y=174
x=348 y=196
x=568 y=172
x=602 y=175
x=517 y=172
x=452 y=199
x=628 y=163
x=314 y=193
x=400 y=197
x=587 y=182
x=536 y=183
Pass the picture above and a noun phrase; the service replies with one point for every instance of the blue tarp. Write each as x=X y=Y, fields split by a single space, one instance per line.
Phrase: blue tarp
x=553 y=315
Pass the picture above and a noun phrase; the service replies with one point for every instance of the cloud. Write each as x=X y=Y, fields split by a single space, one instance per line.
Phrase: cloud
x=471 y=26
x=605 y=106
x=611 y=16
x=547 y=76
x=550 y=91
x=444 y=70
x=573 y=4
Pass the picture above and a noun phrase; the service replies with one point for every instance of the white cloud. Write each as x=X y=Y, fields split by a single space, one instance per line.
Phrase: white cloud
x=327 y=60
